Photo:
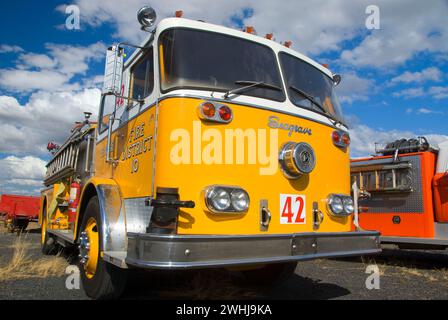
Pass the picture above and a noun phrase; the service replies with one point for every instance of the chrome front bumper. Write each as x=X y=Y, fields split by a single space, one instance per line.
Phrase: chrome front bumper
x=201 y=251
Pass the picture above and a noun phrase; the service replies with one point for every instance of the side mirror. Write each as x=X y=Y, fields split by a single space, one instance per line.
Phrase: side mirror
x=337 y=79
x=113 y=71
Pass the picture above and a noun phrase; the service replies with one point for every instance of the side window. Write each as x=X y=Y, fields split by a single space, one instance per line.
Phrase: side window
x=107 y=108
x=142 y=76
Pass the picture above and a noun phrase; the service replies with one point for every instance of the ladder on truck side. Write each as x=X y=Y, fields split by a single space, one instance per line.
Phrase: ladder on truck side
x=65 y=161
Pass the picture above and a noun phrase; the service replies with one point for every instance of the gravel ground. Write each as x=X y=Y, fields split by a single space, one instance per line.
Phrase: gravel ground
x=403 y=275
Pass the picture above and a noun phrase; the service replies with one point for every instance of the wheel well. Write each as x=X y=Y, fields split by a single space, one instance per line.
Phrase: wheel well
x=89 y=193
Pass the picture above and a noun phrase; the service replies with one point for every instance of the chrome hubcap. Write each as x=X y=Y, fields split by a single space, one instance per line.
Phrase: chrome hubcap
x=84 y=246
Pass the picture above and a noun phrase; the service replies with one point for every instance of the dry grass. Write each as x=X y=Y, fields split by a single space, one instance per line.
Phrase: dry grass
x=413 y=272
x=3 y=228
x=396 y=267
x=23 y=266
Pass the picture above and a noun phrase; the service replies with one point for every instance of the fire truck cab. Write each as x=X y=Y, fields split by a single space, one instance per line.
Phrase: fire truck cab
x=405 y=187
x=214 y=147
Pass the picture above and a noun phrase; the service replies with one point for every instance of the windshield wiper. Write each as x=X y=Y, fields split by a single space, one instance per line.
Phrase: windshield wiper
x=317 y=104
x=250 y=85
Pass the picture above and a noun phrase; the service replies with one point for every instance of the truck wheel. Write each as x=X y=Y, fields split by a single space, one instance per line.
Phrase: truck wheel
x=49 y=246
x=101 y=280
x=20 y=225
x=270 y=274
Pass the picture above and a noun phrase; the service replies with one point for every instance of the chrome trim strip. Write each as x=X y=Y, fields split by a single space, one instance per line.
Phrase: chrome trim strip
x=187 y=237
x=242 y=262
x=202 y=251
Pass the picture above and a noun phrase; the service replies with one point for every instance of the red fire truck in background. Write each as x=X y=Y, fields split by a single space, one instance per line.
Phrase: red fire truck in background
x=404 y=193
x=17 y=211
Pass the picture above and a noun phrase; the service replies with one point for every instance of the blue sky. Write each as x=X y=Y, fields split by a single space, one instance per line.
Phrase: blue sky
x=395 y=79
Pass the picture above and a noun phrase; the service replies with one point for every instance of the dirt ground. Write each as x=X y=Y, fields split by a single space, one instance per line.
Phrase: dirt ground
x=26 y=274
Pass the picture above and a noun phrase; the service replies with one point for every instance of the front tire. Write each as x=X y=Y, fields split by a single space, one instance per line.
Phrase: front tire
x=101 y=280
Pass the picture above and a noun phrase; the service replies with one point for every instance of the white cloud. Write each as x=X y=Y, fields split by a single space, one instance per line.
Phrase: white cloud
x=6 y=48
x=26 y=129
x=438 y=92
x=410 y=93
x=353 y=87
x=26 y=80
x=407 y=27
x=23 y=175
x=72 y=60
x=435 y=92
x=52 y=71
x=34 y=60
x=428 y=74
x=363 y=138
x=428 y=111
x=27 y=167
x=123 y=14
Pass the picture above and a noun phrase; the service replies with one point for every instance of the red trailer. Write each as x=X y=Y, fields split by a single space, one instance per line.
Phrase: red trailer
x=17 y=211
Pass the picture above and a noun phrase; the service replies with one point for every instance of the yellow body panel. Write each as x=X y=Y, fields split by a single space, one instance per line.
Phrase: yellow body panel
x=133 y=146
x=331 y=174
x=57 y=219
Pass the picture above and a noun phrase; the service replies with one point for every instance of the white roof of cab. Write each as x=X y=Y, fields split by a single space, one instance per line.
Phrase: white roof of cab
x=168 y=23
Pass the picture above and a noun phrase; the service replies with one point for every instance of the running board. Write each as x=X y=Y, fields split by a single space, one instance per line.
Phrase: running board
x=64 y=235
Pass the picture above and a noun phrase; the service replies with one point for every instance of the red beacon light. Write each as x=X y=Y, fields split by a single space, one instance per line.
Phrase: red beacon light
x=179 y=14
x=288 y=44
x=250 y=30
x=269 y=36
x=326 y=65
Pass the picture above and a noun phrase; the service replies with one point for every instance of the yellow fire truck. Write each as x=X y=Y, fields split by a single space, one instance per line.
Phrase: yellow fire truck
x=214 y=147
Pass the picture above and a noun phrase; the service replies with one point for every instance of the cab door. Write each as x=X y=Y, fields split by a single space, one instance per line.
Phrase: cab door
x=131 y=149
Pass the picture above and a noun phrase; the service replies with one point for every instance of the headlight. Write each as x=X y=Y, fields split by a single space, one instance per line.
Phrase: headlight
x=219 y=199
x=335 y=204
x=340 y=205
x=226 y=199
x=349 y=206
x=240 y=200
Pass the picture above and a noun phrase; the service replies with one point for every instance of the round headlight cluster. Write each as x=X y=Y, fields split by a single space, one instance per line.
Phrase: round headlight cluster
x=223 y=199
x=340 y=205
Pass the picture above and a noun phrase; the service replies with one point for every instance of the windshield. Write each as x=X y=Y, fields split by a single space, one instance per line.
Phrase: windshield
x=193 y=59
x=306 y=83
